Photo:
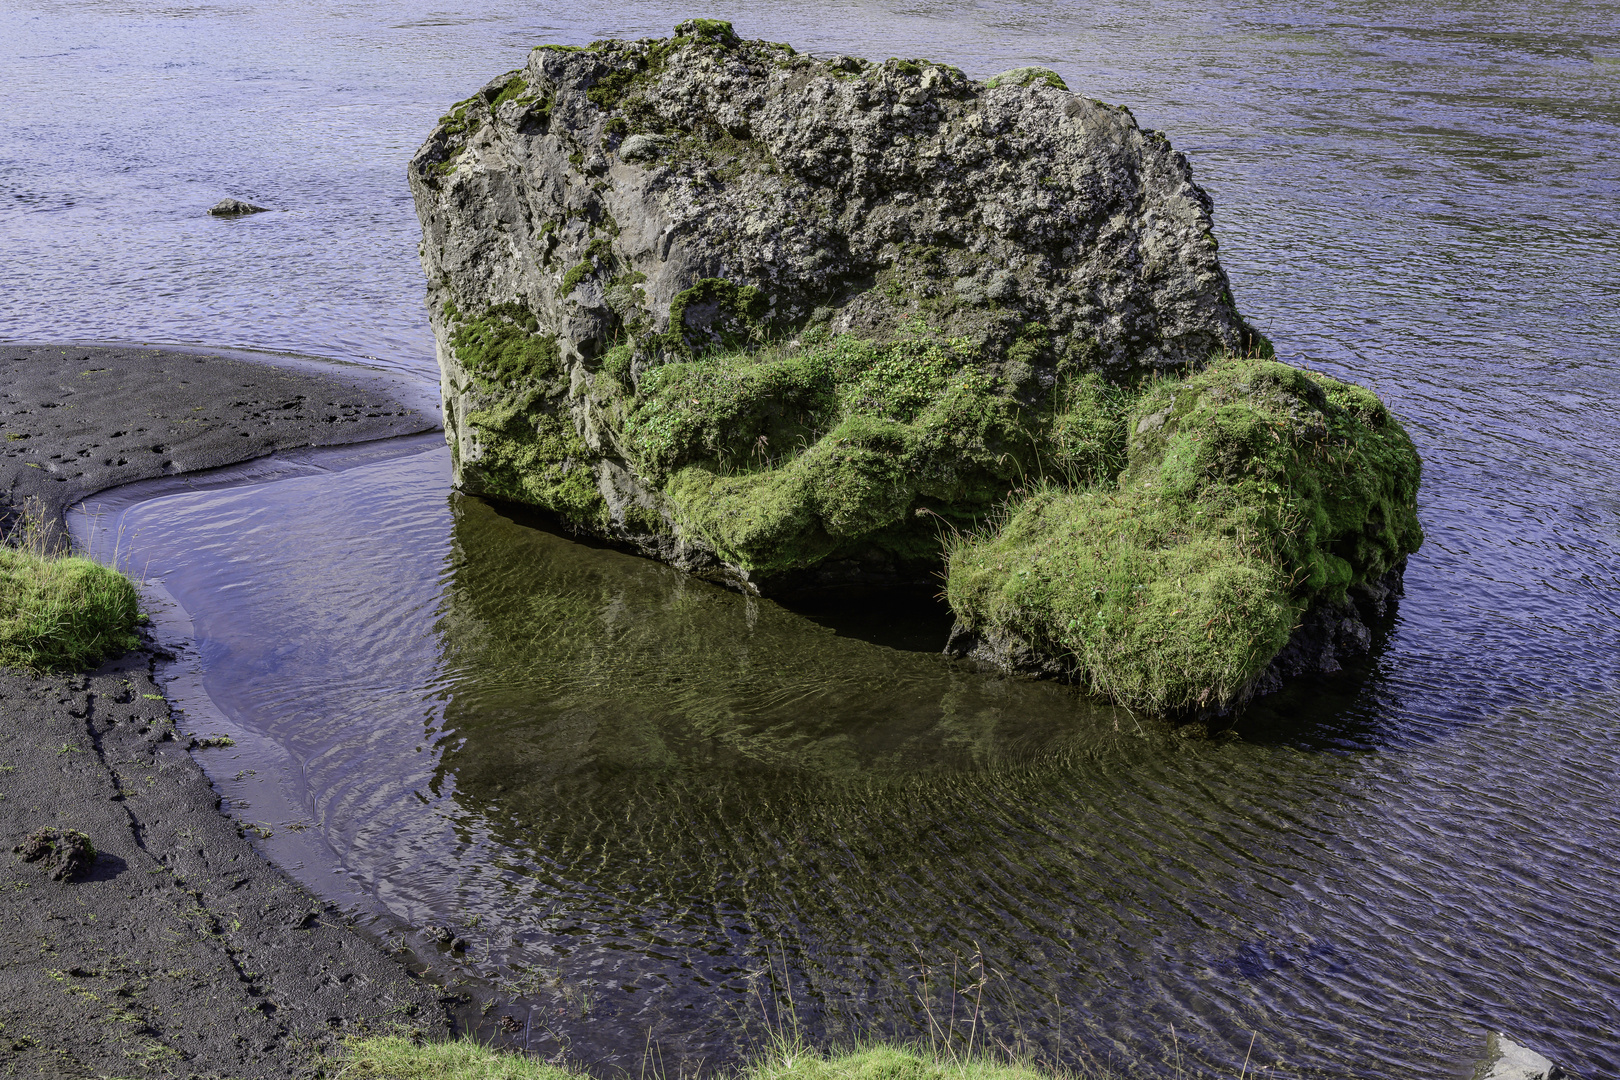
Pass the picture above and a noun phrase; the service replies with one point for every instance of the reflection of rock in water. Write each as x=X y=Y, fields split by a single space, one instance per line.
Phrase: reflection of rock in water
x=572 y=668
x=662 y=790
x=658 y=760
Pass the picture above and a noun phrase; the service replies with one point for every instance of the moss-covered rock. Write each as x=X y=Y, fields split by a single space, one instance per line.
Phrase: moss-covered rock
x=63 y=854
x=1252 y=491
x=781 y=321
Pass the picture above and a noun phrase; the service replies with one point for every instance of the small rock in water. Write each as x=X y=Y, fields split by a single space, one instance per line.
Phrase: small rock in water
x=233 y=208
x=1507 y=1060
x=63 y=853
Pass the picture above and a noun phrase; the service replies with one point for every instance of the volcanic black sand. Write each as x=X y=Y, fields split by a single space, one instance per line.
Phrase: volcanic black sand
x=181 y=951
x=77 y=419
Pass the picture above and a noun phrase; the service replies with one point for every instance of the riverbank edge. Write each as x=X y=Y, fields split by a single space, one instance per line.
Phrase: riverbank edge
x=182 y=947
x=77 y=418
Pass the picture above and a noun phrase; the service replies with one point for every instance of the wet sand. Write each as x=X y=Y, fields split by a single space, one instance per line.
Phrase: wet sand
x=181 y=951
x=77 y=419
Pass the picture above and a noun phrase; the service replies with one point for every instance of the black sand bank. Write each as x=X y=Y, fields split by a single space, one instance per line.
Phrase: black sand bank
x=77 y=419
x=179 y=951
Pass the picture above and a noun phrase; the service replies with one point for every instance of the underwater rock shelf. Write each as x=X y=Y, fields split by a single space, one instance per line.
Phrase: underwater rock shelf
x=794 y=324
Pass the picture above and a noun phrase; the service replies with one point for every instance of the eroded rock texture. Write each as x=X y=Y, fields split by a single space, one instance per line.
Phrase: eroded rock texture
x=609 y=210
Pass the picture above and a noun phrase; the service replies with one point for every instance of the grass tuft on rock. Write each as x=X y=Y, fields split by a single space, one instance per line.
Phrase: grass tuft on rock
x=63 y=613
x=1249 y=490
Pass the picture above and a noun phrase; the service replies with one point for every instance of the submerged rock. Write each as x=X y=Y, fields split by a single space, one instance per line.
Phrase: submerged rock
x=234 y=208
x=790 y=323
x=1507 y=1060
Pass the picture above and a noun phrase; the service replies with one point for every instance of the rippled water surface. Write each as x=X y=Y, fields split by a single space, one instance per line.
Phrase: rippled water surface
x=660 y=811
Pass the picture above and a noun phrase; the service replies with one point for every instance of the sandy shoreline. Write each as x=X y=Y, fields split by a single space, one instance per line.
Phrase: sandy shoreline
x=78 y=419
x=183 y=951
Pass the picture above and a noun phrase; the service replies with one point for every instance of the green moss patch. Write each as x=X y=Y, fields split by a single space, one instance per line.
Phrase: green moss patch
x=63 y=614
x=780 y=459
x=1250 y=490
x=511 y=92
x=528 y=448
x=530 y=453
x=718 y=31
x=504 y=346
x=716 y=314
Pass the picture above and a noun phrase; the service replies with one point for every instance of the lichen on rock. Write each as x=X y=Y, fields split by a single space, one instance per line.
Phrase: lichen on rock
x=790 y=322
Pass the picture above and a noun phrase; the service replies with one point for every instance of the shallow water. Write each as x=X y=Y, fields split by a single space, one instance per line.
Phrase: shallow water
x=670 y=805
x=660 y=810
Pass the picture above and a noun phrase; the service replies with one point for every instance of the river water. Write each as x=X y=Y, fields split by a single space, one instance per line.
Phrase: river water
x=665 y=815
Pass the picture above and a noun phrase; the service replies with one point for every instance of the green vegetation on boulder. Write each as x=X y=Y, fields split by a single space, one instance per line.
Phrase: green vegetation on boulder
x=781 y=320
x=1252 y=490
x=532 y=454
x=505 y=346
x=526 y=447
x=1023 y=76
x=779 y=460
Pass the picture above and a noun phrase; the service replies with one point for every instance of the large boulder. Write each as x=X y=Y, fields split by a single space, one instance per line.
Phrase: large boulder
x=791 y=322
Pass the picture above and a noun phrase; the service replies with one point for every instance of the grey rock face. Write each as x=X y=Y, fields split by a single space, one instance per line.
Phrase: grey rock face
x=1023 y=76
x=587 y=195
x=1333 y=633
x=641 y=148
x=234 y=208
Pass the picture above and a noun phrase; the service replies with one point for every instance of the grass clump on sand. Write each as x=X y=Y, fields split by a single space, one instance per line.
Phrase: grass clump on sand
x=60 y=612
x=1248 y=490
x=397 y=1058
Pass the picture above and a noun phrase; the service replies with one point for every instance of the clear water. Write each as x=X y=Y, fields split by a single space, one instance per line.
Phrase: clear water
x=649 y=795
